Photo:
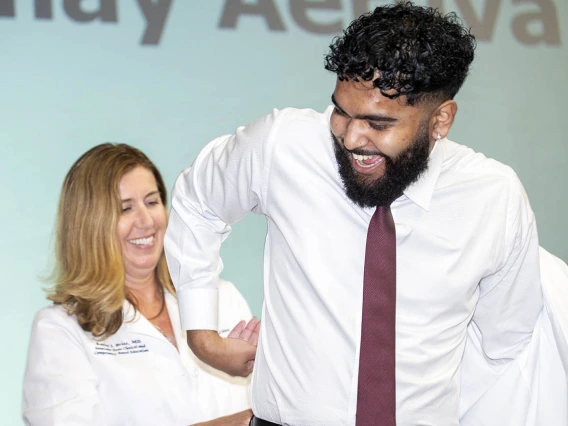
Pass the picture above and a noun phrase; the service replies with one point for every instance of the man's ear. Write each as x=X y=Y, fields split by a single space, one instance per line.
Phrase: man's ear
x=442 y=119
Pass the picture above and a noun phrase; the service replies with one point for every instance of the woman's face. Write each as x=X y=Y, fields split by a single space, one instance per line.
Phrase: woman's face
x=142 y=224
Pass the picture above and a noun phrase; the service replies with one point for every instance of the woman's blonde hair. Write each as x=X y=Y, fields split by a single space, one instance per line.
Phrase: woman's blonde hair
x=89 y=277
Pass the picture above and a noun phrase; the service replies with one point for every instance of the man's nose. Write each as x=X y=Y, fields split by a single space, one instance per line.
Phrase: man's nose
x=355 y=136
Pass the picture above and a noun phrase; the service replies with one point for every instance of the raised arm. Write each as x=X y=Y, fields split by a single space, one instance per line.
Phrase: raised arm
x=225 y=182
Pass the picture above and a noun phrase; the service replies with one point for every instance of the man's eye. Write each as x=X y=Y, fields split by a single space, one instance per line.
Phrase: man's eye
x=378 y=126
x=339 y=112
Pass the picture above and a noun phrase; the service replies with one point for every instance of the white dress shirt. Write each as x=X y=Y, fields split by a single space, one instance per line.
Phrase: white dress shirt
x=467 y=253
x=135 y=377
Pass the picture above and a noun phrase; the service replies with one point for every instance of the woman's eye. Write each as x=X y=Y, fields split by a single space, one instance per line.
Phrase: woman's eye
x=126 y=209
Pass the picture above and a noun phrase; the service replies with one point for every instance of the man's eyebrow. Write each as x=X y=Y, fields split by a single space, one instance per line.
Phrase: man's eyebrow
x=336 y=104
x=368 y=117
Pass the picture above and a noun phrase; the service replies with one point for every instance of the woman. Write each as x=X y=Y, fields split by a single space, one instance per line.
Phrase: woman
x=110 y=350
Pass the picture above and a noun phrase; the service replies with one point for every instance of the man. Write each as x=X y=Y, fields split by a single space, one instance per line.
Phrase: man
x=461 y=255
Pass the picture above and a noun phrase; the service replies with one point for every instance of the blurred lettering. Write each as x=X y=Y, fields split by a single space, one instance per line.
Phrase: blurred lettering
x=299 y=9
x=264 y=8
x=7 y=9
x=43 y=9
x=155 y=13
x=533 y=22
x=267 y=9
x=106 y=11
x=522 y=26
x=483 y=27
x=546 y=18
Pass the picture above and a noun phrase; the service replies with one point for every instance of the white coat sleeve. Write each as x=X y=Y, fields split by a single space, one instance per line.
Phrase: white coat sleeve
x=508 y=346
x=511 y=300
x=531 y=390
x=60 y=387
x=226 y=181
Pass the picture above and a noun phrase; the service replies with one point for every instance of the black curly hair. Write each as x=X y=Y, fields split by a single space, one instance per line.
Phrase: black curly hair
x=406 y=50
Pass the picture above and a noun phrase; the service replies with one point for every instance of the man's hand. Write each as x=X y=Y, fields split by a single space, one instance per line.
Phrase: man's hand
x=234 y=355
x=247 y=332
x=241 y=418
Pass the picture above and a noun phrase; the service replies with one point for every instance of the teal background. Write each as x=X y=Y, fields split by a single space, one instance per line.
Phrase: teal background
x=67 y=86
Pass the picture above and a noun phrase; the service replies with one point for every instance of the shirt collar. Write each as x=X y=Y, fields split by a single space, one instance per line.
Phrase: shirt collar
x=421 y=191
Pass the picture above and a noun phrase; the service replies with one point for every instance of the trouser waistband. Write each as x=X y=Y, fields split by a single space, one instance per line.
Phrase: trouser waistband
x=255 y=421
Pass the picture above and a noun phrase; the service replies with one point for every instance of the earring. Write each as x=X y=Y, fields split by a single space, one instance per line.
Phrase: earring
x=438 y=138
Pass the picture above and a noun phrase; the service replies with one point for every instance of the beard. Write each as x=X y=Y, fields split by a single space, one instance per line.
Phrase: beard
x=400 y=172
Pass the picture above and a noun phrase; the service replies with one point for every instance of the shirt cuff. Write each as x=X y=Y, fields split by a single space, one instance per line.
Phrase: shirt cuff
x=198 y=308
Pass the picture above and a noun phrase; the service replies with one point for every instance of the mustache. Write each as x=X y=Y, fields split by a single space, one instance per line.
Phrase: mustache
x=356 y=151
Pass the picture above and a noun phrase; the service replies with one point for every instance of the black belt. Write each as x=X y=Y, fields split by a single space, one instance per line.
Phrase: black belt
x=255 y=421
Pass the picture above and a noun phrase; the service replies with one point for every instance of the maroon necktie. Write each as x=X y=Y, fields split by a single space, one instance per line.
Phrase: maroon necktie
x=376 y=400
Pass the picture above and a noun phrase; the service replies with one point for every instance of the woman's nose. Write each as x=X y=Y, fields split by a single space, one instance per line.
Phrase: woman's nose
x=144 y=218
